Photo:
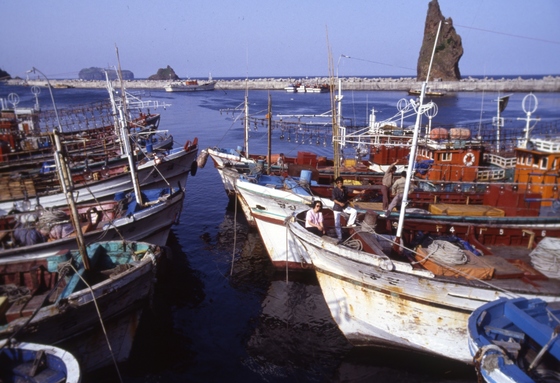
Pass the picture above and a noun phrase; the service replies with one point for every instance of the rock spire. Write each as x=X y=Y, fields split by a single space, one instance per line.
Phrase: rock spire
x=449 y=48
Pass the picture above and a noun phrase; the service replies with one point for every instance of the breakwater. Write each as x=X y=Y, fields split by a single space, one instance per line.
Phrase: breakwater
x=469 y=84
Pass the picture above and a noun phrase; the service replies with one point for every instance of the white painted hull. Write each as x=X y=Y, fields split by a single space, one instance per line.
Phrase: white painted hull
x=223 y=163
x=149 y=225
x=191 y=88
x=376 y=300
x=173 y=169
x=268 y=208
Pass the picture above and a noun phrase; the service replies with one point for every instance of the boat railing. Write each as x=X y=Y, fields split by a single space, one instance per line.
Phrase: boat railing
x=502 y=162
x=491 y=175
x=545 y=145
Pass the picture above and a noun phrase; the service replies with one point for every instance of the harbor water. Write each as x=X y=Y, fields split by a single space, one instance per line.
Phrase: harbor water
x=222 y=313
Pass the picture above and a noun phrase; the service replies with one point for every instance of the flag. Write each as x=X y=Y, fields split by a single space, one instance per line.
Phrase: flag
x=503 y=101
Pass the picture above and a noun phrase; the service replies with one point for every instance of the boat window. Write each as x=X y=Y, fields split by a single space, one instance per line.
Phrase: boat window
x=445 y=156
x=529 y=160
x=554 y=164
x=544 y=163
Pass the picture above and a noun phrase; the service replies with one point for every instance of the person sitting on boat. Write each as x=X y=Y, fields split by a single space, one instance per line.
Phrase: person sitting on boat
x=314 y=219
x=398 y=191
x=341 y=205
x=387 y=182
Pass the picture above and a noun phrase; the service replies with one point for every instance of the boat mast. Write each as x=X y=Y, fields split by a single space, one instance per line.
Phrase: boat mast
x=125 y=137
x=412 y=156
x=269 y=120
x=65 y=176
x=246 y=123
x=68 y=188
x=334 y=114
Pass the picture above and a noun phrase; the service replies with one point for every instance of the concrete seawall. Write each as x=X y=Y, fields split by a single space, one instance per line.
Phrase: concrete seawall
x=544 y=84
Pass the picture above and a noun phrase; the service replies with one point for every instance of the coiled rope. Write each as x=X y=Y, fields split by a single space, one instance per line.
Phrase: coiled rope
x=446 y=253
x=546 y=257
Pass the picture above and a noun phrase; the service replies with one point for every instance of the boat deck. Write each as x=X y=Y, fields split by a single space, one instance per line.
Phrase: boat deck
x=508 y=268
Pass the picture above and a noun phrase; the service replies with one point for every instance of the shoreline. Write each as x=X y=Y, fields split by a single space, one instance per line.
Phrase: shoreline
x=544 y=84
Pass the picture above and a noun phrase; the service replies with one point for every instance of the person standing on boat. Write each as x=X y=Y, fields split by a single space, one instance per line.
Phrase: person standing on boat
x=387 y=183
x=281 y=161
x=398 y=191
x=341 y=199
x=314 y=219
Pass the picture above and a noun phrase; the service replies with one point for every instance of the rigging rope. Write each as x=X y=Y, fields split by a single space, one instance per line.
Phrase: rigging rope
x=234 y=227
x=100 y=321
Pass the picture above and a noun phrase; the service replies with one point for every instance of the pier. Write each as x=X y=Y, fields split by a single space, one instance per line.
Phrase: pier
x=468 y=84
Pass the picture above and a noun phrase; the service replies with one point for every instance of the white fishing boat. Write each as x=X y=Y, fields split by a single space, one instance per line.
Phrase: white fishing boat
x=191 y=86
x=267 y=201
x=290 y=88
x=414 y=300
x=415 y=288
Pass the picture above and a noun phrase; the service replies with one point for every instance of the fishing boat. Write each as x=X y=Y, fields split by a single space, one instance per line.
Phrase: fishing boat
x=191 y=86
x=99 y=181
x=90 y=309
x=42 y=232
x=429 y=92
x=31 y=362
x=415 y=289
x=516 y=340
x=88 y=131
x=160 y=171
x=418 y=298
x=291 y=88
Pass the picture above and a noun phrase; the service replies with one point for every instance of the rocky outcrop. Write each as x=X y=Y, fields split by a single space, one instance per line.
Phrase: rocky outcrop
x=164 y=74
x=4 y=75
x=449 y=48
x=99 y=74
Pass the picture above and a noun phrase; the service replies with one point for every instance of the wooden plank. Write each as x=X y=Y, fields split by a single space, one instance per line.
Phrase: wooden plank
x=502 y=268
x=529 y=271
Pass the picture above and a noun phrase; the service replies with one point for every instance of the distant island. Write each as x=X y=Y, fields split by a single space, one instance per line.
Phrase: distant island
x=99 y=74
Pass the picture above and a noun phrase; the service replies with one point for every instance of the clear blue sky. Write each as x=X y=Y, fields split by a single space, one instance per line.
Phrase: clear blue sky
x=265 y=38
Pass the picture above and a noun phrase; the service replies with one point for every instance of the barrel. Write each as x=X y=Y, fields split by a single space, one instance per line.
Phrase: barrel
x=439 y=134
x=305 y=176
x=459 y=133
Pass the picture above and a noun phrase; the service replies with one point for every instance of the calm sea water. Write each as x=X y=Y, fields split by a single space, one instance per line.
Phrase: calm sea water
x=222 y=314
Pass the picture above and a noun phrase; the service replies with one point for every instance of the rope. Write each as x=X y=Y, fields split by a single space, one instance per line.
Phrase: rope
x=545 y=257
x=101 y=322
x=110 y=222
x=234 y=229
x=446 y=253
x=371 y=230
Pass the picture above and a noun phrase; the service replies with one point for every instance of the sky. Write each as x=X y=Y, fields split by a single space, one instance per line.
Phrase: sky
x=265 y=38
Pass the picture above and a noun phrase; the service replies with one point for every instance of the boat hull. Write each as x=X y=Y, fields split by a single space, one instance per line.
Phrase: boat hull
x=74 y=322
x=172 y=169
x=18 y=360
x=151 y=225
x=377 y=300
